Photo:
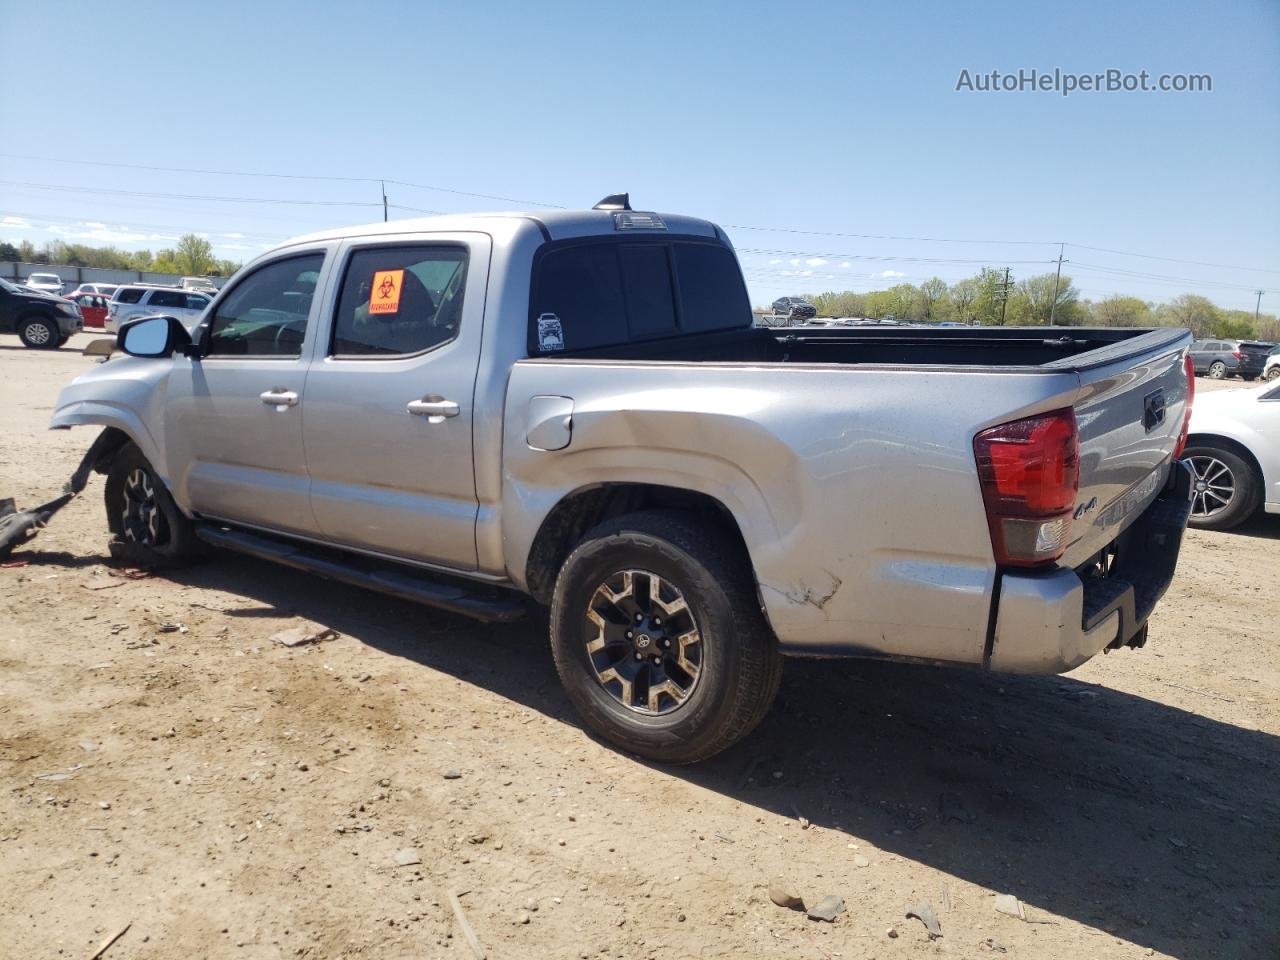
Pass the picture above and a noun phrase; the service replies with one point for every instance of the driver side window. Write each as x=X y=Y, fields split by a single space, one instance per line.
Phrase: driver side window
x=265 y=315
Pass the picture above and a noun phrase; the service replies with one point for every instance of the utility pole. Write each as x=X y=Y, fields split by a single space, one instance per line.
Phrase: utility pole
x=384 y=200
x=1004 y=297
x=1053 y=304
x=1257 y=307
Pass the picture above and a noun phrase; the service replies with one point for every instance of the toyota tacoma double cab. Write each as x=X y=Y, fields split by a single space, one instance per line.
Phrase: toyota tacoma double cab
x=575 y=409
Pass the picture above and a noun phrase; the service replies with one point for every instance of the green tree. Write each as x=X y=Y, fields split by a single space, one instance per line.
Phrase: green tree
x=1193 y=311
x=1033 y=301
x=989 y=297
x=962 y=295
x=1121 y=312
x=932 y=292
x=8 y=252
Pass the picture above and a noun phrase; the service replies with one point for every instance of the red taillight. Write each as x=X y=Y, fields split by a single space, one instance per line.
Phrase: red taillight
x=1030 y=473
x=1239 y=355
x=1190 y=367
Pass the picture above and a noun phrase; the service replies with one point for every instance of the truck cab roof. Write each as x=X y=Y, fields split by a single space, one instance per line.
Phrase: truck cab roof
x=553 y=224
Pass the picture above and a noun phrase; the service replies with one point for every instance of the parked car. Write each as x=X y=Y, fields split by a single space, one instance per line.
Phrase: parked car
x=575 y=408
x=1228 y=358
x=42 y=321
x=794 y=308
x=45 y=283
x=93 y=307
x=106 y=289
x=1272 y=368
x=1234 y=451
x=198 y=284
x=141 y=301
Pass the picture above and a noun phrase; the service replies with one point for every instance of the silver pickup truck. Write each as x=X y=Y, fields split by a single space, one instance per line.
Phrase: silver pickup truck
x=574 y=407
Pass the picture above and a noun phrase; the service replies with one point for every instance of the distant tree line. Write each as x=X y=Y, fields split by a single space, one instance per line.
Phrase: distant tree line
x=985 y=299
x=193 y=256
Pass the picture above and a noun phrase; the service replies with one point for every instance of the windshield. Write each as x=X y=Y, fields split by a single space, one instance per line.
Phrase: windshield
x=44 y=278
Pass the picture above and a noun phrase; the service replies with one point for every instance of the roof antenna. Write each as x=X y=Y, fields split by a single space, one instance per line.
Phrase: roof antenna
x=614 y=201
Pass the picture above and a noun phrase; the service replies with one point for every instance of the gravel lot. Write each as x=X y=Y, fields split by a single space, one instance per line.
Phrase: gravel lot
x=165 y=765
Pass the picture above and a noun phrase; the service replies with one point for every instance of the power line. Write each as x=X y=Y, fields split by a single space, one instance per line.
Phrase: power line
x=875 y=236
x=826 y=255
x=279 y=176
x=1138 y=275
x=66 y=188
x=1194 y=263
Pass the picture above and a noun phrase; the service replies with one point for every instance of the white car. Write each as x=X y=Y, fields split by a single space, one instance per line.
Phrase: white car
x=1234 y=449
x=97 y=289
x=46 y=283
x=1272 y=370
x=133 y=300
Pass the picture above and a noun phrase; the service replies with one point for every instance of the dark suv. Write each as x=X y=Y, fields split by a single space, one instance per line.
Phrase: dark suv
x=1229 y=358
x=41 y=320
x=794 y=308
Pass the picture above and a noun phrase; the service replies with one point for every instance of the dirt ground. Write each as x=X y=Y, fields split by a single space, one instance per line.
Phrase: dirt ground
x=165 y=766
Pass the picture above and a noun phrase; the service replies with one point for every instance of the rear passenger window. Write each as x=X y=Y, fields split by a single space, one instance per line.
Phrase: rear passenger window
x=400 y=300
x=196 y=302
x=712 y=294
x=167 y=298
x=129 y=295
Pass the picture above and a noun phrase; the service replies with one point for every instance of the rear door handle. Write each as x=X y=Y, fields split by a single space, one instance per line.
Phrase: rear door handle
x=279 y=398
x=435 y=409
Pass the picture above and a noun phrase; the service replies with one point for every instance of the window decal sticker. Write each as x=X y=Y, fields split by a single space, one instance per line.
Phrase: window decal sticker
x=550 y=333
x=384 y=297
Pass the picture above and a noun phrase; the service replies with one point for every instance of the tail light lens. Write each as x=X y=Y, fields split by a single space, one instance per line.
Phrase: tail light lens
x=1238 y=354
x=1030 y=474
x=1190 y=367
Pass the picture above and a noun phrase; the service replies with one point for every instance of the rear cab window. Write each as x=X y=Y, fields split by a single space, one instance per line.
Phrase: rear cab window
x=607 y=292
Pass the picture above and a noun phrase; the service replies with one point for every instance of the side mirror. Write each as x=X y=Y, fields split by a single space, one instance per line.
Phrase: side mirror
x=153 y=337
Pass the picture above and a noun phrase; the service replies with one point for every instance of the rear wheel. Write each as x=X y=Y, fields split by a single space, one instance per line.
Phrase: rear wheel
x=39 y=333
x=1225 y=489
x=1272 y=373
x=659 y=638
x=146 y=525
x=1217 y=370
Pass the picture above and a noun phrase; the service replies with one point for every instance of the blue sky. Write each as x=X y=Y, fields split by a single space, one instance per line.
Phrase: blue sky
x=832 y=118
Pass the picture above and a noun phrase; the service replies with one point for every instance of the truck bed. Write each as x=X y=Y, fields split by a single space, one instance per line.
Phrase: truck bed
x=1056 y=347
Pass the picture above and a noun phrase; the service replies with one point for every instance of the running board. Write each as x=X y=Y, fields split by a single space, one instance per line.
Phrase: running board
x=490 y=604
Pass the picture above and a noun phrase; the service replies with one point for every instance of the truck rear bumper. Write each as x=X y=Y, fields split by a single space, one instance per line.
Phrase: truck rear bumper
x=1052 y=623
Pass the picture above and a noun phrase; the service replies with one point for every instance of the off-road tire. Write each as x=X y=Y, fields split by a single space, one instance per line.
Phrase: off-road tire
x=174 y=544
x=39 y=333
x=741 y=667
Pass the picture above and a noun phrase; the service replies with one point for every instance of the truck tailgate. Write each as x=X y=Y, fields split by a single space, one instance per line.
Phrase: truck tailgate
x=1130 y=412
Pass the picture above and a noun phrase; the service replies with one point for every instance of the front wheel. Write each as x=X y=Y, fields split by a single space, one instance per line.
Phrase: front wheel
x=659 y=639
x=39 y=333
x=1225 y=489
x=1272 y=373
x=146 y=525
x=1217 y=370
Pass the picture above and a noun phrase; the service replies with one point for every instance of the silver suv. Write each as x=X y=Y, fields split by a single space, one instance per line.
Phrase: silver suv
x=143 y=301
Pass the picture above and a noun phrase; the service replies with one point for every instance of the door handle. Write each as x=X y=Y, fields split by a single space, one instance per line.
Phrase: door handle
x=435 y=409
x=279 y=398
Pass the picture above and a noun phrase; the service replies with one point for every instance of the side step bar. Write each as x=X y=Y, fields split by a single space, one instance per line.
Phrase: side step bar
x=490 y=604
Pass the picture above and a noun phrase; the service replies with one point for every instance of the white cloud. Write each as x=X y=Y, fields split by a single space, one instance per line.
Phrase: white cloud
x=845 y=264
x=104 y=234
x=816 y=262
x=232 y=236
x=774 y=262
x=797 y=273
x=794 y=262
x=15 y=223
x=890 y=274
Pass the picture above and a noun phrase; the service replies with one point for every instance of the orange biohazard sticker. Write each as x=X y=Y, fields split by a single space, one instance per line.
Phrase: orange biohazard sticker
x=385 y=295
